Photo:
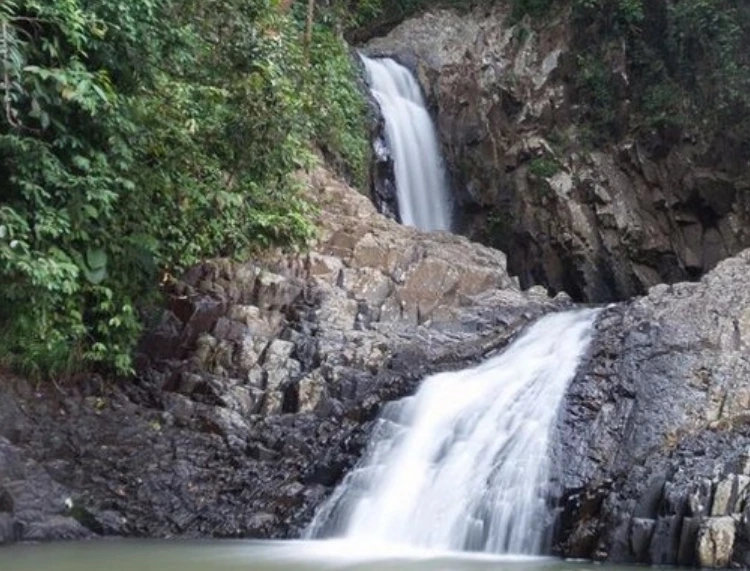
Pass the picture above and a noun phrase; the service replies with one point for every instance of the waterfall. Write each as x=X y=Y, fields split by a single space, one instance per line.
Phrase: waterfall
x=421 y=182
x=463 y=464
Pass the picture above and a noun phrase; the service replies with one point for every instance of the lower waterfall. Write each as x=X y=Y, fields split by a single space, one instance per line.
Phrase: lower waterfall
x=464 y=463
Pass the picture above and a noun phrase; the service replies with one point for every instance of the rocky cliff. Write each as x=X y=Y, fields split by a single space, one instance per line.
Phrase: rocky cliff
x=257 y=387
x=654 y=433
x=602 y=223
x=654 y=437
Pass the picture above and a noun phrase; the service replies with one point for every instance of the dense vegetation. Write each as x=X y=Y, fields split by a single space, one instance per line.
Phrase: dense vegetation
x=137 y=138
x=368 y=18
x=681 y=64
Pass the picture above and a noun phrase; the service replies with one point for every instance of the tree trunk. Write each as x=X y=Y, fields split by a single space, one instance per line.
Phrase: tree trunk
x=309 y=29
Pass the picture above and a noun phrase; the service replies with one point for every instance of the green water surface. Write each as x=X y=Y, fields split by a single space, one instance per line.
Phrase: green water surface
x=130 y=555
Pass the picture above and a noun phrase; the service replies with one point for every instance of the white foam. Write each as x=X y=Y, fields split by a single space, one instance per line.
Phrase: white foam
x=463 y=464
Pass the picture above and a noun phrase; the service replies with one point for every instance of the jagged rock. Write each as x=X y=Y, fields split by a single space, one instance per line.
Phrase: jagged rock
x=730 y=495
x=257 y=388
x=601 y=225
x=700 y=500
x=657 y=411
x=313 y=395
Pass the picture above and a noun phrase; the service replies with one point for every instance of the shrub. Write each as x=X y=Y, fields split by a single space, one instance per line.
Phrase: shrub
x=544 y=167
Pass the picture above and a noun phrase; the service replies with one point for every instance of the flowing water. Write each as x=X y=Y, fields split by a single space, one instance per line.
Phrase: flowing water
x=421 y=181
x=462 y=465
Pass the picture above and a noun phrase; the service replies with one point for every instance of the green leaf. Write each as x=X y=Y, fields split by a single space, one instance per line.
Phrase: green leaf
x=96 y=259
x=96 y=276
x=91 y=211
x=81 y=162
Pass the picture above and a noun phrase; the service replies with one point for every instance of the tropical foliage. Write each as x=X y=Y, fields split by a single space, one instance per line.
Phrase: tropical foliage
x=137 y=138
x=687 y=62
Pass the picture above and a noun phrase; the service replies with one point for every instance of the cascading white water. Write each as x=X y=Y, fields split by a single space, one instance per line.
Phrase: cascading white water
x=463 y=464
x=421 y=181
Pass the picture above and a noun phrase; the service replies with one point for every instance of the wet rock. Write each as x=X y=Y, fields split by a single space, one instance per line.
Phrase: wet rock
x=640 y=537
x=382 y=174
x=9 y=532
x=261 y=524
x=54 y=528
x=688 y=540
x=665 y=541
x=657 y=409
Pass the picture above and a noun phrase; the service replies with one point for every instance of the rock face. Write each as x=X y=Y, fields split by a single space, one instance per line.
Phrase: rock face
x=654 y=438
x=601 y=224
x=257 y=386
x=382 y=175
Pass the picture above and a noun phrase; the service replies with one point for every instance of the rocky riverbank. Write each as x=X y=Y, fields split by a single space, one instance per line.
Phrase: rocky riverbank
x=256 y=389
x=654 y=439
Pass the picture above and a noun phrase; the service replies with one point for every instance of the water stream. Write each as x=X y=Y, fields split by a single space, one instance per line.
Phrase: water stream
x=463 y=464
x=421 y=181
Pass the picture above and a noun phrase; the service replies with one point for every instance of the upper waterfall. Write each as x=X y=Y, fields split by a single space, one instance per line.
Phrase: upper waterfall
x=421 y=181
x=464 y=463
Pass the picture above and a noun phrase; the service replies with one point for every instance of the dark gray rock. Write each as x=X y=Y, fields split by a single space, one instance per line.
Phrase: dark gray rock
x=655 y=428
x=641 y=532
x=54 y=528
x=9 y=532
